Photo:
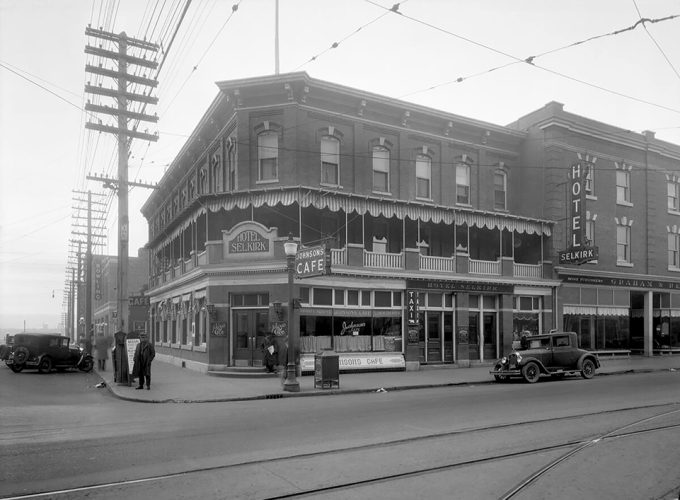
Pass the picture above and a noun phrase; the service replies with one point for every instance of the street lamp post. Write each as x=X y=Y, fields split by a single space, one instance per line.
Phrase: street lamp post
x=291 y=384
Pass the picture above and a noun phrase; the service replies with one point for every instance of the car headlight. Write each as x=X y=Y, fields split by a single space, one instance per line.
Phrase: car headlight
x=504 y=360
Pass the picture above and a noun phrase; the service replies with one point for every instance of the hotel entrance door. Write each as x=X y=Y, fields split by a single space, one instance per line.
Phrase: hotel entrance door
x=250 y=331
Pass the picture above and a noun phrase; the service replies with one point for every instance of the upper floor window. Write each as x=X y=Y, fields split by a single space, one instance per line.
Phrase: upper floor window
x=463 y=183
x=590 y=232
x=623 y=255
x=381 y=169
x=268 y=155
x=203 y=180
x=423 y=176
x=500 y=183
x=216 y=172
x=623 y=186
x=673 y=249
x=231 y=155
x=588 y=184
x=330 y=160
x=674 y=196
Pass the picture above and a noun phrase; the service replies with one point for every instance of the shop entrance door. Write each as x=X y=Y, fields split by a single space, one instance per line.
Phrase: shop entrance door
x=250 y=330
x=434 y=337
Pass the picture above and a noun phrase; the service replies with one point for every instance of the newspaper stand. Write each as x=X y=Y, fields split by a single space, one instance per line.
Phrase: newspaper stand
x=326 y=370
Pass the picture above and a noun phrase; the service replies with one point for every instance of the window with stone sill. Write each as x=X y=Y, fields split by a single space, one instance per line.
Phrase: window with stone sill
x=381 y=169
x=268 y=156
x=423 y=176
x=673 y=190
x=463 y=184
x=330 y=161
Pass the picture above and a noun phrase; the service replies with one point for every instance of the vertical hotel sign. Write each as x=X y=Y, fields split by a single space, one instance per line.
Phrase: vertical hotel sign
x=579 y=172
x=579 y=251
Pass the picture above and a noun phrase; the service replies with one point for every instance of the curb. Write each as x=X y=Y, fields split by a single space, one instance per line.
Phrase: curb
x=337 y=392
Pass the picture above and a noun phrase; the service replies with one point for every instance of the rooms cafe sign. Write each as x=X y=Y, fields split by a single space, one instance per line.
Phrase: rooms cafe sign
x=580 y=251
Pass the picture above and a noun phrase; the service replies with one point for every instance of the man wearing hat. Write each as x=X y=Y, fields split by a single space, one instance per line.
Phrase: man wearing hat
x=144 y=354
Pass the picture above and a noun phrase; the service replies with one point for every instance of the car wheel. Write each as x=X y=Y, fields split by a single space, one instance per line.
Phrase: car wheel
x=87 y=365
x=531 y=372
x=16 y=368
x=20 y=355
x=588 y=369
x=45 y=365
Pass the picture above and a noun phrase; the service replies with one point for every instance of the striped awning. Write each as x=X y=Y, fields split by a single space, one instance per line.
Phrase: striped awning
x=596 y=310
x=350 y=202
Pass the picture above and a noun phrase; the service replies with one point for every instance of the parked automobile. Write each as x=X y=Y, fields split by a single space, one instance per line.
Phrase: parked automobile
x=47 y=352
x=555 y=354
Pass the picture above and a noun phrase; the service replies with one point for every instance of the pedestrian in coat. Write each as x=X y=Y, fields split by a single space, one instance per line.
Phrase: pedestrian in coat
x=269 y=353
x=101 y=350
x=144 y=354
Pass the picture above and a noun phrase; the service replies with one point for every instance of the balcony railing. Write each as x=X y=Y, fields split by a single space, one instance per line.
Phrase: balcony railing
x=527 y=270
x=338 y=257
x=383 y=260
x=489 y=267
x=431 y=263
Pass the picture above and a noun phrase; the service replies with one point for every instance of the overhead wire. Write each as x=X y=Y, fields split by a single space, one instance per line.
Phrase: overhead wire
x=643 y=22
x=531 y=60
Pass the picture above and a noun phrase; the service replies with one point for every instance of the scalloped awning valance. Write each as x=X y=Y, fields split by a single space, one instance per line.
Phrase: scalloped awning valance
x=334 y=201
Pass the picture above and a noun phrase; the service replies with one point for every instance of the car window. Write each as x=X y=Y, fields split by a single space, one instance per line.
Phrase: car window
x=542 y=343
x=64 y=342
x=54 y=342
x=562 y=341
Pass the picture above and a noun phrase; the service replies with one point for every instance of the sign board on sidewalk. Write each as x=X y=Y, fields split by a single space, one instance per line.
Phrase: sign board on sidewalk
x=131 y=345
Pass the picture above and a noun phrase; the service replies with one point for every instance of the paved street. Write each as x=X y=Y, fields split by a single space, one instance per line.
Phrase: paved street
x=61 y=432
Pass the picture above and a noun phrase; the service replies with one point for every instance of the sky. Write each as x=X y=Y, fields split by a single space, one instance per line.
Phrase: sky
x=457 y=56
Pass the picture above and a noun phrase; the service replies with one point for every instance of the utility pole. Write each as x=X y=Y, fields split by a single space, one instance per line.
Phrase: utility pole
x=88 y=251
x=122 y=59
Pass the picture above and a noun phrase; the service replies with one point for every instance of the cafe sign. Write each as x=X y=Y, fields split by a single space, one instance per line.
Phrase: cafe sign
x=312 y=261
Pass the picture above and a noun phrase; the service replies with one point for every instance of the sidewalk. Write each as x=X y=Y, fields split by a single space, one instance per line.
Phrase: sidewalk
x=173 y=384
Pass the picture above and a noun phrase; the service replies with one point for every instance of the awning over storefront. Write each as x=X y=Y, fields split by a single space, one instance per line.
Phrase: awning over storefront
x=596 y=310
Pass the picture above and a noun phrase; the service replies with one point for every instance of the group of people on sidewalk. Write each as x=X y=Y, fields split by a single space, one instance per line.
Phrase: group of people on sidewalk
x=144 y=355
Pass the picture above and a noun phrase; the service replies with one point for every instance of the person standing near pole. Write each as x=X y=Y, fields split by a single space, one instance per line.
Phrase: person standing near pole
x=144 y=354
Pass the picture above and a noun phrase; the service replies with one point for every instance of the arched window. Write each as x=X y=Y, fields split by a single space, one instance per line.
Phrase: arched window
x=268 y=156
x=423 y=176
x=500 y=186
x=463 y=183
x=381 y=169
x=330 y=160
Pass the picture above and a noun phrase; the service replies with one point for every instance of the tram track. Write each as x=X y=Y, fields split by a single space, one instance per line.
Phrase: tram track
x=572 y=447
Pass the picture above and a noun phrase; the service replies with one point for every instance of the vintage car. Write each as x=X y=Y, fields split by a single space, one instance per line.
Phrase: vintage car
x=46 y=352
x=555 y=354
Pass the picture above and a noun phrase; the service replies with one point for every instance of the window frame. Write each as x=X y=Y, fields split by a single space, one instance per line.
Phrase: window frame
x=261 y=150
x=504 y=176
x=674 y=253
x=463 y=168
x=623 y=190
x=675 y=196
x=623 y=246
x=378 y=169
x=325 y=163
x=423 y=164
